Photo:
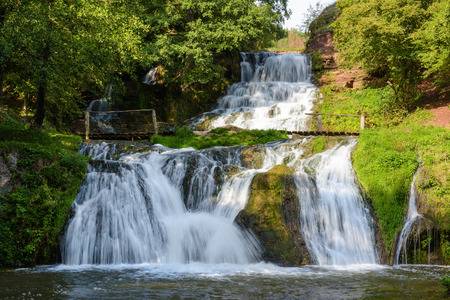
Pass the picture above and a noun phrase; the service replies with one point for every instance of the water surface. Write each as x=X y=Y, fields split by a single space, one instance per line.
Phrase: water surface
x=194 y=281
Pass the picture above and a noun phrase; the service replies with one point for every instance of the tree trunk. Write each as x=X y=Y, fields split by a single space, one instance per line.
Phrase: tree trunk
x=40 y=105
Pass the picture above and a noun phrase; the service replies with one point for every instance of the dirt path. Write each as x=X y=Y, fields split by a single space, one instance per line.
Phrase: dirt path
x=441 y=116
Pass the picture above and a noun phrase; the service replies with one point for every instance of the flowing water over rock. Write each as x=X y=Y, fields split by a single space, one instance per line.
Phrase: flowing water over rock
x=275 y=93
x=178 y=206
x=411 y=218
x=145 y=211
x=335 y=220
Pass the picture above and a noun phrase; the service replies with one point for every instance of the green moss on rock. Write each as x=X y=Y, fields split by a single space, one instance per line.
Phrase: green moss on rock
x=272 y=214
x=42 y=172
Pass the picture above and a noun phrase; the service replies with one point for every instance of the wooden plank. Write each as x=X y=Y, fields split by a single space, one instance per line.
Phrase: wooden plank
x=325 y=133
x=121 y=111
x=338 y=115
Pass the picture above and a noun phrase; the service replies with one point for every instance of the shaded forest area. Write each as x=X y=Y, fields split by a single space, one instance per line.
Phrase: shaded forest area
x=57 y=56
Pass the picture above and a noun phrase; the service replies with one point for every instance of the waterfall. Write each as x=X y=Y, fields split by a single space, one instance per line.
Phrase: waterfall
x=275 y=92
x=132 y=210
x=334 y=218
x=411 y=219
x=179 y=206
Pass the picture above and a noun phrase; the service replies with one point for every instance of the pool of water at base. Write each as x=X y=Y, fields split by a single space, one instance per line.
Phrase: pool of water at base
x=198 y=281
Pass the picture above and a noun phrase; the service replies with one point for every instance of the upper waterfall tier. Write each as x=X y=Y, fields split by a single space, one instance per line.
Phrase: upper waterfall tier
x=267 y=67
x=275 y=92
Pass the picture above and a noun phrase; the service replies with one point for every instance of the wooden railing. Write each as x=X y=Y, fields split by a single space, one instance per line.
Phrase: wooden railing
x=122 y=124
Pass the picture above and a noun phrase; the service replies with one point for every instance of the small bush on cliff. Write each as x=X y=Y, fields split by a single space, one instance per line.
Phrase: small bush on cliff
x=185 y=138
x=45 y=173
x=446 y=283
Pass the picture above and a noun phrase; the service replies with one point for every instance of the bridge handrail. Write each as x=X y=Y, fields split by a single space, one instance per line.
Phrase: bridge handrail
x=87 y=117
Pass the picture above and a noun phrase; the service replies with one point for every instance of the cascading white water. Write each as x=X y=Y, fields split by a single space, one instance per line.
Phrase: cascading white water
x=132 y=211
x=335 y=221
x=411 y=218
x=179 y=206
x=275 y=93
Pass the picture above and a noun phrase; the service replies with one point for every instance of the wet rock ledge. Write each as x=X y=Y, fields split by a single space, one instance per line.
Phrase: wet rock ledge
x=272 y=215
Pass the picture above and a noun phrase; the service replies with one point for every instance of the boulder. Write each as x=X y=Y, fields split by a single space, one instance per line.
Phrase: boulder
x=272 y=215
x=253 y=157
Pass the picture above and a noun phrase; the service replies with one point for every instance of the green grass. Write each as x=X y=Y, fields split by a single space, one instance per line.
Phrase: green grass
x=389 y=152
x=385 y=161
x=293 y=42
x=184 y=138
x=45 y=181
x=373 y=103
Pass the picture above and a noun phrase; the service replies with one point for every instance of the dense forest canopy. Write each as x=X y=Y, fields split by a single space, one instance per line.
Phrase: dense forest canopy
x=54 y=54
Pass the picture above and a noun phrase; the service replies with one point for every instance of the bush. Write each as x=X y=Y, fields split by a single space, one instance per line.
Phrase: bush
x=446 y=282
x=44 y=183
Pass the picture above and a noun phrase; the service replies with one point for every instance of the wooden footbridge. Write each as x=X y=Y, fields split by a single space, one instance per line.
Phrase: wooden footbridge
x=124 y=125
x=142 y=124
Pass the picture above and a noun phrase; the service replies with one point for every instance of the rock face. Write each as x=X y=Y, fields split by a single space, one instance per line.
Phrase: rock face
x=272 y=214
x=253 y=157
x=8 y=164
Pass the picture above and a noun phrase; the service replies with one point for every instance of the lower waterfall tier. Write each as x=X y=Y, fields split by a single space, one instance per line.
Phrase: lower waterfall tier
x=180 y=206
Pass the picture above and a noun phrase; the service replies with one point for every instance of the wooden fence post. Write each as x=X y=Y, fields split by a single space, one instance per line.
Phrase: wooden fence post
x=87 y=124
x=362 y=122
x=319 y=122
x=155 y=123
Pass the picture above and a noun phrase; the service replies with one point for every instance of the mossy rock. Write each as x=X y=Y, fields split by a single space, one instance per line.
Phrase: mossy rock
x=272 y=214
x=320 y=144
x=253 y=157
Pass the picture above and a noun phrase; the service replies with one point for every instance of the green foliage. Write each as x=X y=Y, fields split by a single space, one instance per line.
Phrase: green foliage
x=446 y=282
x=218 y=137
x=445 y=249
x=62 y=54
x=396 y=39
x=195 y=31
x=52 y=51
x=317 y=63
x=323 y=19
x=384 y=166
x=385 y=161
x=433 y=41
x=375 y=104
x=45 y=181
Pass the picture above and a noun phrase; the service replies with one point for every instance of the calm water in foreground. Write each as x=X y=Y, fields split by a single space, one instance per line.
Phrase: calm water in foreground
x=261 y=281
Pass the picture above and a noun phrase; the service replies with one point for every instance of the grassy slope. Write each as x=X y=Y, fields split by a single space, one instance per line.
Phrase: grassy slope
x=219 y=137
x=293 y=42
x=45 y=182
x=388 y=153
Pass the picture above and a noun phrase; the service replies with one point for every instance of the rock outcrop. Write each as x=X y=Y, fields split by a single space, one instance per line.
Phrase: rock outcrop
x=272 y=214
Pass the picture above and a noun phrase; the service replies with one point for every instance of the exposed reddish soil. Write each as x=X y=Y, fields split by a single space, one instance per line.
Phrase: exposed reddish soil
x=437 y=101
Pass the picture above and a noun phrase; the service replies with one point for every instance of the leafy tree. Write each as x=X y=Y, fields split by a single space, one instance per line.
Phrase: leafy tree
x=56 y=49
x=433 y=41
x=312 y=13
x=196 y=31
x=394 y=38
